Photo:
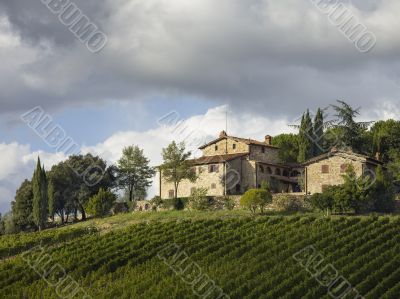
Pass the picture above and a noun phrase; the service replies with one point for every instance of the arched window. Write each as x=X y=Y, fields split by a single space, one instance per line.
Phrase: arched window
x=277 y=171
x=269 y=171
x=262 y=168
x=285 y=172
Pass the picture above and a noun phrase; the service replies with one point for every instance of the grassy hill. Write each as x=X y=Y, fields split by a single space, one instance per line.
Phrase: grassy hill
x=206 y=255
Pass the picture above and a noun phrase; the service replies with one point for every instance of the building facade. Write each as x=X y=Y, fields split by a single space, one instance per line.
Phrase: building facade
x=328 y=169
x=232 y=165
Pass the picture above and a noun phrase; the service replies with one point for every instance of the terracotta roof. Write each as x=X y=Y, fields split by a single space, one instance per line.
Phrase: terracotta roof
x=239 y=139
x=216 y=159
x=335 y=152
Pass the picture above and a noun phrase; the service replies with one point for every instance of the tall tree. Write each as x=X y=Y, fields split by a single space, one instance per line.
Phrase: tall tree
x=385 y=136
x=288 y=147
x=51 y=199
x=351 y=131
x=133 y=172
x=306 y=136
x=318 y=131
x=176 y=167
x=39 y=188
x=22 y=207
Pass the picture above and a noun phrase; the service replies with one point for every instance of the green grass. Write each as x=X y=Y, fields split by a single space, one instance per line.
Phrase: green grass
x=247 y=256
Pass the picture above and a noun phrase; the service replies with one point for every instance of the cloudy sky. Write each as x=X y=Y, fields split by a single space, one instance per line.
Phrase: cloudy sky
x=263 y=61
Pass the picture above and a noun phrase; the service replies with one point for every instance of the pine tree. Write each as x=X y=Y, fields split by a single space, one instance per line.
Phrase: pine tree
x=318 y=143
x=39 y=205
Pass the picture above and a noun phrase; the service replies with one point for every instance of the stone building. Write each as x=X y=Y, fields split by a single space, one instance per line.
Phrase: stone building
x=231 y=165
x=328 y=169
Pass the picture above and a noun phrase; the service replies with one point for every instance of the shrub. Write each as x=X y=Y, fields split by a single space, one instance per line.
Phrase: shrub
x=256 y=198
x=229 y=203
x=174 y=203
x=199 y=200
x=120 y=207
x=288 y=203
x=101 y=204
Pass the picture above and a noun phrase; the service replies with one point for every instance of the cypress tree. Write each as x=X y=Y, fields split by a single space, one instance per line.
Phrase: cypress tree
x=318 y=143
x=39 y=204
x=306 y=135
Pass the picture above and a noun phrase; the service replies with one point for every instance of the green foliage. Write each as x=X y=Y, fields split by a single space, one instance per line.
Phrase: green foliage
x=318 y=133
x=176 y=166
x=13 y=244
x=75 y=181
x=383 y=192
x=101 y=204
x=22 y=207
x=385 y=138
x=128 y=263
x=255 y=199
x=199 y=200
x=324 y=201
x=175 y=203
x=351 y=132
x=288 y=147
x=157 y=202
x=289 y=203
x=133 y=172
x=358 y=195
x=39 y=202
x=305 y=138
x=228 y=203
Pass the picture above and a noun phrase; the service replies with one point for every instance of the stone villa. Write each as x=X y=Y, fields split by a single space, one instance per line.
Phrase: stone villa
x=231 y=165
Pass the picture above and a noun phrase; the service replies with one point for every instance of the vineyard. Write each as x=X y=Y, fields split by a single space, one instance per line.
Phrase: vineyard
x=241 y=258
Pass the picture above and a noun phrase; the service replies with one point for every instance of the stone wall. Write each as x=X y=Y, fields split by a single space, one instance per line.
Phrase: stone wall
x=226 y=146
x=270 y=154
x=205 y=180
x=316 y=180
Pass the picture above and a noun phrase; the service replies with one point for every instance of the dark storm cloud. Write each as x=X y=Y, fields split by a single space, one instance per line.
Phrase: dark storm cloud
x=271 y=57
x=34 y=22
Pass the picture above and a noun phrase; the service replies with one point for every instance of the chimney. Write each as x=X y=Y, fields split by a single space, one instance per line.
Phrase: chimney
x=268 y=139
x=222 y=134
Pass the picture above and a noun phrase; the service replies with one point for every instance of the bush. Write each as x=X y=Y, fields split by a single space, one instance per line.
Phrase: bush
x=120 y=207
x=229 y=203
x=101 y=204
x=174 y=203
x=288 y=203
x=199 y=200
x=256 y=198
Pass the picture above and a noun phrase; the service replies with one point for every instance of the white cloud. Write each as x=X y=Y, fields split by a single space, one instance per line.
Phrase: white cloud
x=17 y=164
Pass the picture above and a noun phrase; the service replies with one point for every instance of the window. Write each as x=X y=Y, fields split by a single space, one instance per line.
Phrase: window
x=213 y=186
x=234 y=146
x=285 y=173
x=277 y=171
x=343 y=168
x=263 y=150
x=171 y=193
x=325 y=168
x=213 y=168
x=216 y=147
x=269 y=171
x=262 y=168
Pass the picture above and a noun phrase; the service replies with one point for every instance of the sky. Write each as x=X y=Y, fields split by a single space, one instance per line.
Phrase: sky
x=172 y=69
